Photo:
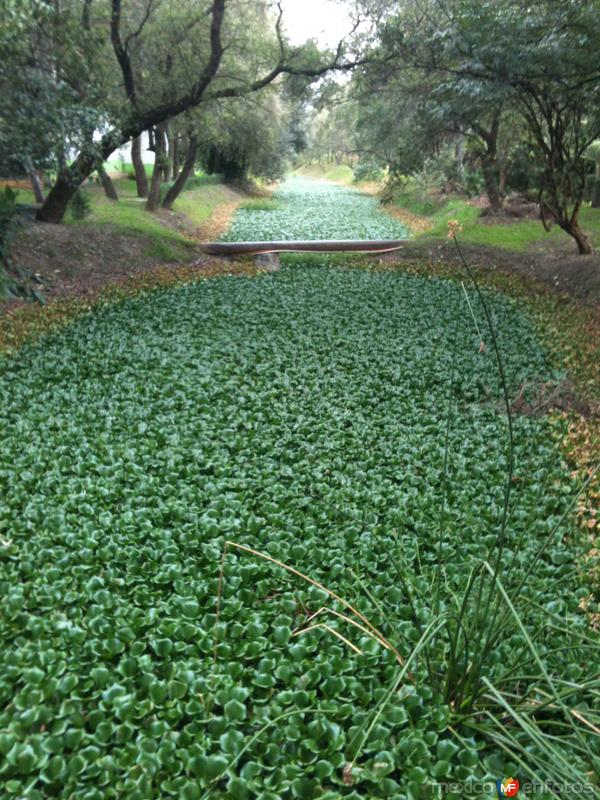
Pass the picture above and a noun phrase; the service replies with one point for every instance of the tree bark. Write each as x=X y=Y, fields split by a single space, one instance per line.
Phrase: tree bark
x=186 y=171
x=492 y=189
x=175 y=157
x=36 y=185
x=573 y=229
x=168 y=169
x=68 y=181
x=502 y=181
x=107 y=184
x=489 y=160
x=141 y=179
x=158 y=170
x=213 y=164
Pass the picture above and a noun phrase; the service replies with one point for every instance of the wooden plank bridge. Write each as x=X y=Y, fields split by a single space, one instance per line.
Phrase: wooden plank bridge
x=309 y=246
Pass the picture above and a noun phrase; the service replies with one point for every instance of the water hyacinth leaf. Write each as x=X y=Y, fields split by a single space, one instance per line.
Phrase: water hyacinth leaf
x=235 y=711
x=237 y=789
x=302 y=414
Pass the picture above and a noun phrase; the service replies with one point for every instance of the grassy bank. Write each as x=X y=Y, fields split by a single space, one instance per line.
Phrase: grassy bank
x=511 y=235
x=164 y=240
x=128 y=216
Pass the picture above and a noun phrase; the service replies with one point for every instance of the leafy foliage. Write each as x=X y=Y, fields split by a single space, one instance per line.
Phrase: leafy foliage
x=13 y=281
x=242 y=138
x=511 y=88
x=52 y=77
x=80 y=205
x=304 y=413
x=316 y=211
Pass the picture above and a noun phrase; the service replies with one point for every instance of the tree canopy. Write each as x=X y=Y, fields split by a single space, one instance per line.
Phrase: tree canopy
x=509 y=92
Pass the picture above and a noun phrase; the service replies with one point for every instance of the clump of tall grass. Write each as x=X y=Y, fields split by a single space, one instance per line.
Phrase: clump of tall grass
x=260 y=204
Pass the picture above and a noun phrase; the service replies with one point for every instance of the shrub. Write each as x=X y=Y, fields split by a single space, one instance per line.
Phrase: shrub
x=80 y=205
x=13 y=282
x=261 y=204
x=368 y=170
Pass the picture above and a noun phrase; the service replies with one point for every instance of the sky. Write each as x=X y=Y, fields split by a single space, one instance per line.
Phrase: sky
x=325 y=20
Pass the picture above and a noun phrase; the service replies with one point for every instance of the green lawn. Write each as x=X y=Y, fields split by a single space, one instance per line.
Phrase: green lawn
x=127 y=167
x=199 y=203
x=521 y=235
x=129 y=216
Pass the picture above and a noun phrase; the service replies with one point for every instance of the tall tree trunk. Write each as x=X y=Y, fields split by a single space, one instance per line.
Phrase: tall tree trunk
x=141 y=179
x=175 y=157
x=158 y=170
x=213 y=165
x=107 y=184
x=502 y=181
x=36 y=185
x=186 y=171
x=168 y=173
x=68 y=181
x=490 y=179
x=489 y=160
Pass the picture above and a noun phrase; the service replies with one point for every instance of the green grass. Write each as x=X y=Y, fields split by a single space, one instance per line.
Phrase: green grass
x=341 y=173
x=519 y=235
x=260 y=204
x=199 y=204
x=129 y=216
x=418 y=203
x=127 y=166
x=24 y=196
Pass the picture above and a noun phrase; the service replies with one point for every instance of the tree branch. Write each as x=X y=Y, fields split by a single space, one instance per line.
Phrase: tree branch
x=140 y=27
x=121 y=53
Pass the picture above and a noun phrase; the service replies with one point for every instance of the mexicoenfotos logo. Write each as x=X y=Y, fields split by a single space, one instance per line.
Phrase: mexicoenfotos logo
x=507 y=787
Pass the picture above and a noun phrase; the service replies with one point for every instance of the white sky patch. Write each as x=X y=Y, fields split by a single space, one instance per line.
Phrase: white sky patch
x=328 y=21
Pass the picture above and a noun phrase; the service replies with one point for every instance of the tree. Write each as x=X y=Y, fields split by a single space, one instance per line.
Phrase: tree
x=46 y=107
x=395 y=128
x=544 y=56
x=160 y=161
x=593 y=154
x=186 y=172
x=246 y=137
x=107 y=184
x=141 y=179
x=199 y=70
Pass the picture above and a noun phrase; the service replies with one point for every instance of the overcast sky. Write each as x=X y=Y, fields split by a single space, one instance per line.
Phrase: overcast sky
x=324 y=20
